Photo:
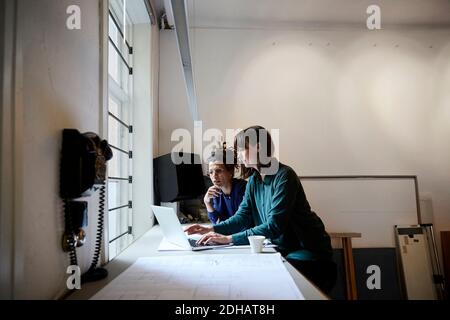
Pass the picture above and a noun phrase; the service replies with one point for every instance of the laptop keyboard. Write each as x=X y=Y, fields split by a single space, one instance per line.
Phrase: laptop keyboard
x=194 y=243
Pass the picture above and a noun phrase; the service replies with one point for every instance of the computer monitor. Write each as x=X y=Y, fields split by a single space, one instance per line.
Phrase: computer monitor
x=176 y=182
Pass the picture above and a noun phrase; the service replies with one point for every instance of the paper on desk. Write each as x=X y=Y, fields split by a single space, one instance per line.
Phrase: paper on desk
x=206 y=276
x=247 y=246
x=169 y=246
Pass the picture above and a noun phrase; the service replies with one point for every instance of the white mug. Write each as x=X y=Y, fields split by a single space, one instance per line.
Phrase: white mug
x=256 y=243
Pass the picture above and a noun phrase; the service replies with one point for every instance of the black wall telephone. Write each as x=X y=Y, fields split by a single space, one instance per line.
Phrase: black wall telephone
x=83 y=171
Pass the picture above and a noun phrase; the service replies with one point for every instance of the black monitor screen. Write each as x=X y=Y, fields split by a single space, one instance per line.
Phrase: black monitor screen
x=175 y=182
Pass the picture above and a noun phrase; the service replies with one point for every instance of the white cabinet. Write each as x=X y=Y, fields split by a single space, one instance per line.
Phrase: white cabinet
x=416 y=263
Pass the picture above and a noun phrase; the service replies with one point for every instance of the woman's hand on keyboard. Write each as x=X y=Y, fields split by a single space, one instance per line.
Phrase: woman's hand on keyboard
x=198 y=229
x=212 y=237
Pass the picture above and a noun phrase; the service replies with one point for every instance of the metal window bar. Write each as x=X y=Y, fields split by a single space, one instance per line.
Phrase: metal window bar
x=119 y=178
x=118 y=208
x=119 y=121
x=130 y=69
x=119 y=236
x=130 y=48
x=118 y=149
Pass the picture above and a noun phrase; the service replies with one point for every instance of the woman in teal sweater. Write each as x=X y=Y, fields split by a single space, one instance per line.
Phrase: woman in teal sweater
x=275 y=206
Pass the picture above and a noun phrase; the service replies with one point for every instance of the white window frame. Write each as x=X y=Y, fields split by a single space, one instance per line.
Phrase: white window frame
x=143 y=105
x=123 y=235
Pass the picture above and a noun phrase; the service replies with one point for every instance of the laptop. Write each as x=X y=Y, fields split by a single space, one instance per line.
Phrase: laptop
x=173 y=231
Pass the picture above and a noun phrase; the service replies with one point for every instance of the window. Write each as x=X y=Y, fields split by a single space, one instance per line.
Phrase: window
x=124 y=15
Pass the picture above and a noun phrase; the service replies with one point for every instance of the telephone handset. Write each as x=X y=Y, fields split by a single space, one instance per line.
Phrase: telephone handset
x=83 y=163
x=83 y=171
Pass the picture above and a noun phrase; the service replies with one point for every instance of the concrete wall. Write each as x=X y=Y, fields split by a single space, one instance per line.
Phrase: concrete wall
x=55 y=81
x=58 y=87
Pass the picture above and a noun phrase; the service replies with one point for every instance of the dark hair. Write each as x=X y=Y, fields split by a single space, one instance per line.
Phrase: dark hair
x=254 y=135
x=226 y=156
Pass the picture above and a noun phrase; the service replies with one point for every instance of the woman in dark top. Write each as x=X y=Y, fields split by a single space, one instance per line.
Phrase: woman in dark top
x=222 y=200
x=275 y=206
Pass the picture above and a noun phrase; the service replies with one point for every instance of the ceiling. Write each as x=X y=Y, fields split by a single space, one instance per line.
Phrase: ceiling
x=291 y=13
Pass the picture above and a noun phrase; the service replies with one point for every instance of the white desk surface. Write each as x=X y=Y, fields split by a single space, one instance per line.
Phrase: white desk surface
x=147 y=245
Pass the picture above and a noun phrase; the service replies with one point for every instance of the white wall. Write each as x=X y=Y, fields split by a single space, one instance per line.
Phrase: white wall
x=59 y=89
x=173 y=110
x=347 y=101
